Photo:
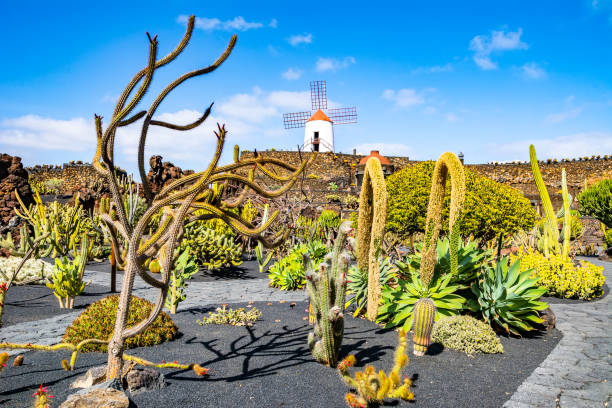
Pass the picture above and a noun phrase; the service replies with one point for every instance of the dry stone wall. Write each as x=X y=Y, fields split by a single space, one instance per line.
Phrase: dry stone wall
x=13 y=177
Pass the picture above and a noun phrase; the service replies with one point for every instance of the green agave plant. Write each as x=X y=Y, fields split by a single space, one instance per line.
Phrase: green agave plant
x=508 y=298
x=470 y=259
x=357 y=284
x=398 y=302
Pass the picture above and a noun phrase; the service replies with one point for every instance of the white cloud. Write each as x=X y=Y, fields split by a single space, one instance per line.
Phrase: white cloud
x=298 y=39
x=332 y=64
x=237 y=23
x=247 y=107
x=404 y=98
x=498 y=41
x=289 y=100
x=561 y=147
x=434 y=69
x=385 y=149
x=563 y=116
x=273 y=23
x=36 y=132
x=533 y=71
x=292 y=74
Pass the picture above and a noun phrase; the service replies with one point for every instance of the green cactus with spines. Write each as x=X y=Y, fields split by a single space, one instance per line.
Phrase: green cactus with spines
x=67 y=279
x=236 y=153
x=263 y=260
x=550 y=226
x=327 y=290
x=373 y=388
x=424 y=314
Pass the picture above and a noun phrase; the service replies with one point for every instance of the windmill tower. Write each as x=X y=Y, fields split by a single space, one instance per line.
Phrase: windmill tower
x=319 y=125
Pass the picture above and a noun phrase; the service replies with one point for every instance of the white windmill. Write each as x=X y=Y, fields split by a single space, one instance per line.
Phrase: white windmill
x=319 y=125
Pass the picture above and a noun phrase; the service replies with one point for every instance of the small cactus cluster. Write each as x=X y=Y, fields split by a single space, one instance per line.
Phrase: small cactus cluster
x=373 y=388
x=327 y=289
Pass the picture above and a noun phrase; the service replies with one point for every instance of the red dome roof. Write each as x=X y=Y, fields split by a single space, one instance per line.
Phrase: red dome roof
x=375 y=153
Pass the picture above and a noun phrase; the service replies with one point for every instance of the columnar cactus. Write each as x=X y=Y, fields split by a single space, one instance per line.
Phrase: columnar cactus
x=425 y=309
x=371 y=221
x=327 y=289
x=424 y=314
x=551 y=231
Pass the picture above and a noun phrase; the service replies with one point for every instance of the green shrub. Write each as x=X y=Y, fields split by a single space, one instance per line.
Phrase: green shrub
x=289 y=273
x=608 y=238
x=464 y=333
x=596 y=201
x=490 y=208
x=98 y=322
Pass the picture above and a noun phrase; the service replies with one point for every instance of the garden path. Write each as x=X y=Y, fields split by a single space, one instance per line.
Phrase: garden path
x=49 y=331
x=578 y=372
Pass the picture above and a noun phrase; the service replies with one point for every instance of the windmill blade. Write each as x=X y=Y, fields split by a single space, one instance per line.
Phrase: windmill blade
x=318 y=95
x=296 y=119
x=342 y=116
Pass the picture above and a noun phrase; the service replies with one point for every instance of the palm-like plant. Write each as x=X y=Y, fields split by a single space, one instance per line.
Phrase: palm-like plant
x=508 y=298
x=357 y=284
x=398 y=302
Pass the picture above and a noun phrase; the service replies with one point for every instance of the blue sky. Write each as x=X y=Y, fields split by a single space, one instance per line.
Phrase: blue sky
x=482 y=77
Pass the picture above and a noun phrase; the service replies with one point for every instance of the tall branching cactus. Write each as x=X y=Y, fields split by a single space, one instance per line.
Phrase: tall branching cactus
x=371 y=221
x=179 y=199
x=447 y=164
x=551 y=231
x=327 y=290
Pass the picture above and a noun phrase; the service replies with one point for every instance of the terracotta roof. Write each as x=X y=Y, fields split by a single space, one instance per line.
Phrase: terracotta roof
x=319 y=115
x=375 y=153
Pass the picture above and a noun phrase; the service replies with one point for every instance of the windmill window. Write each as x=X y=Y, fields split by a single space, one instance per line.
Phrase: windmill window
x=315 y=142
x=316 y=136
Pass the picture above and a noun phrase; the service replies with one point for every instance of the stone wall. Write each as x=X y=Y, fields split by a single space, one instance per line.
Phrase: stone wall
x=13 y=177
x=75 y=175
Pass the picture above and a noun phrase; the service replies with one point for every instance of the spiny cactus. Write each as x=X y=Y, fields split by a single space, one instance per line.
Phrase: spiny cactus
x=371 y=222
x=67 y=279
x=327 y=289
x=263 y=260
x=424 y=314
x=447 y=164
x=179 y=200
x=551 y=231
x=373 y=388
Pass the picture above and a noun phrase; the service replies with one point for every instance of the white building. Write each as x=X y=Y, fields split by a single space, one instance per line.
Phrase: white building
x=319 y=133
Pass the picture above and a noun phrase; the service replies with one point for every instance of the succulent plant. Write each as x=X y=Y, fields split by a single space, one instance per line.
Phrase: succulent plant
x=326 y=289
x=234 y=317
x=508 y=298
x=371 y=228
x=373 y=388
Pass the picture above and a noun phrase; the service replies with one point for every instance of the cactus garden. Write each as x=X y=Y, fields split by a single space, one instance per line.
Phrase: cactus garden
x=300 y=276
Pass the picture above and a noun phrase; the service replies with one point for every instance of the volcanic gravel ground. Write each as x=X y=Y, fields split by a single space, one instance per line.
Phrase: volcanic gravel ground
x=269 y=365
x=247 y=270
x=35 y=302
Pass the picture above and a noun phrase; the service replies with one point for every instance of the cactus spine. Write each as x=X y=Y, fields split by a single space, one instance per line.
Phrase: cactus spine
x=424 y=314
x=327 y=289
x=373 y=388
x=371 y=221
x=550 y=227
x=425 y=309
